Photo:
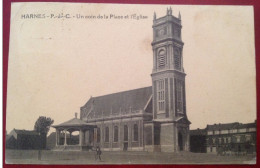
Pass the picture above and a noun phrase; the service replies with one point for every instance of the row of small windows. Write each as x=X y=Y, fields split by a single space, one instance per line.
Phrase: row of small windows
x=161 y=106
x=161 y=95
x=116 y=133
x=219 y=140
x=224 y=140
x=216 y=132
x=161 y=85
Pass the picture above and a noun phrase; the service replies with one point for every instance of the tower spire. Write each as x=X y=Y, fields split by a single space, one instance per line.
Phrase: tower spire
x=170 y=11
x=154 y=16
x=179 y=15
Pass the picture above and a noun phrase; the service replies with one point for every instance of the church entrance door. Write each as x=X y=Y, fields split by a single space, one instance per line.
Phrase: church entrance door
x=180 y=141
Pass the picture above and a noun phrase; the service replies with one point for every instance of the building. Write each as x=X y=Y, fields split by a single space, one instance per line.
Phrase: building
x=198 y=143
x=152 y=118
x=24 y=139
x=227 y=138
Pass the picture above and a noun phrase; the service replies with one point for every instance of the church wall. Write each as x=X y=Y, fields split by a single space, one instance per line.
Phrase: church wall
x=148 y=136
x=112 y=144
x=161 y=115
x=167 y=139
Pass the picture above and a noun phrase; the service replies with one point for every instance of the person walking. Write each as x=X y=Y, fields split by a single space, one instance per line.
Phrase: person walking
x=98 y=153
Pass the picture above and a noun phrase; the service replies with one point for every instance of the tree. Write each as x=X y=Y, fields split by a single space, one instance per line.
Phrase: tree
x=42 y=126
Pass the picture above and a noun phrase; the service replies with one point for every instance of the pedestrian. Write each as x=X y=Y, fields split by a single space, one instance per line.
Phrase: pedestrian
x=98 y=153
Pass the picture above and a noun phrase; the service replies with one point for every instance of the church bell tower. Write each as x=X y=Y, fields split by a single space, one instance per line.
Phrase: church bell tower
x=168 y=82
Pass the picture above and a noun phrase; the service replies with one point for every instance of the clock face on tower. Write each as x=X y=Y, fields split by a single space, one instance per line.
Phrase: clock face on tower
x=161 y=32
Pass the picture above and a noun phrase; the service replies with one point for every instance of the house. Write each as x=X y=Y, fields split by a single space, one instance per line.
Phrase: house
x=198 y=143
x=23 y=139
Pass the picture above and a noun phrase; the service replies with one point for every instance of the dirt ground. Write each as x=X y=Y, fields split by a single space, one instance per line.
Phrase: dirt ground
x=85 y=158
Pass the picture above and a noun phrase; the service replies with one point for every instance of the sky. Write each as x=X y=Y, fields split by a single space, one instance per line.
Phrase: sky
x=57 y=64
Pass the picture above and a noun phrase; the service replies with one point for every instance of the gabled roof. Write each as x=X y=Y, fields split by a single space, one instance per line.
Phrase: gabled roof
x=26 y=132
x=15 y=132
x=225 y=126
x=248 y=125
x=228 y=126
x=72 y=123
x=122 y=102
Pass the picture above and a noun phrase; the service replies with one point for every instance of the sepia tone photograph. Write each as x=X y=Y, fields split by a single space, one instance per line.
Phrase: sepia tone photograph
x=130 y=84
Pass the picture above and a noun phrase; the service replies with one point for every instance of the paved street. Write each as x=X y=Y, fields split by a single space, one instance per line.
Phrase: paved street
x=52 y=157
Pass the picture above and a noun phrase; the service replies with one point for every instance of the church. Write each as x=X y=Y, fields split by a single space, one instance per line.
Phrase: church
x=153 y=118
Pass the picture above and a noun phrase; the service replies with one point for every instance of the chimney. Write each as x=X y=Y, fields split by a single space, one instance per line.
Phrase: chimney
x=76 y=115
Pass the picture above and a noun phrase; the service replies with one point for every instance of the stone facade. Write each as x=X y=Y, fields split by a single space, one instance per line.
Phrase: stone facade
x=168 y=81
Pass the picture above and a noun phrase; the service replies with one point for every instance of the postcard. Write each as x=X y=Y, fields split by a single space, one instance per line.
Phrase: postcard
x=96 y=83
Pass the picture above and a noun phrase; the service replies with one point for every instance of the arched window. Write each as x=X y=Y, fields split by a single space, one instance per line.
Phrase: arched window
x=106 y=134
x=135 y=132
x=161 y=58
x=98 y=134
x=125 y=133
x=177 y=59
x=116 y=134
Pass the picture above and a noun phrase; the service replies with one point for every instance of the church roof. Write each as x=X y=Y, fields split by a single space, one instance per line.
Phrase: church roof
x=122 y=102
x=71 y=123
